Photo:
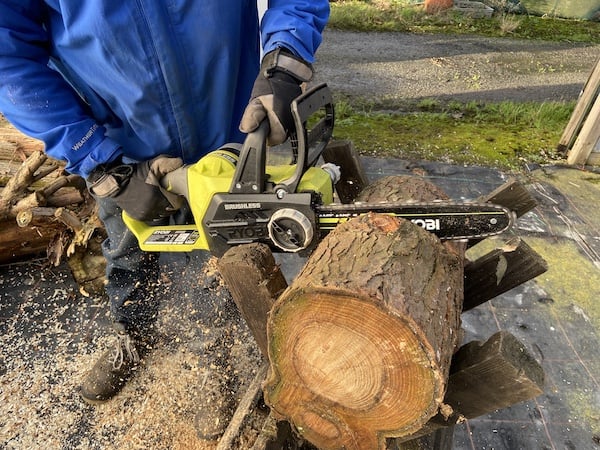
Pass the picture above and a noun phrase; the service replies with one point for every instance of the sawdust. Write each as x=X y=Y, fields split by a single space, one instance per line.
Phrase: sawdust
x=51 y=335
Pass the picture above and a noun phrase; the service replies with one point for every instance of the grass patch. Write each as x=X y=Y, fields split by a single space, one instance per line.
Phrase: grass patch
x=403 y=16
x=505 y=135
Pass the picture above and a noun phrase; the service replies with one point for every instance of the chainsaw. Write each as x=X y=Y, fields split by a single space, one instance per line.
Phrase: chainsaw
x=237 y=196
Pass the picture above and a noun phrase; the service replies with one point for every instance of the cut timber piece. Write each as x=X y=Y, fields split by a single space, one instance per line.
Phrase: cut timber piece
x=492 y=376
x=353 y=179
x=501 y=270
x=485 y=378
x=360 y=344
x=255 y=281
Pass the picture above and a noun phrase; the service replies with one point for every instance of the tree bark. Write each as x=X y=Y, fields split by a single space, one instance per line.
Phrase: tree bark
x=360 y=344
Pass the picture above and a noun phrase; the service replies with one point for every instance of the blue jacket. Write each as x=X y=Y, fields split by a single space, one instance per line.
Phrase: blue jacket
x=99 y=78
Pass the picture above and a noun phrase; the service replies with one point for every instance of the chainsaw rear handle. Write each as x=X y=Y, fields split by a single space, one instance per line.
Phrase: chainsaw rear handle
x=250 y=175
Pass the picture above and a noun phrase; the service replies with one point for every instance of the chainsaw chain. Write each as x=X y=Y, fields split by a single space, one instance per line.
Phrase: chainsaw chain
x=418 y=210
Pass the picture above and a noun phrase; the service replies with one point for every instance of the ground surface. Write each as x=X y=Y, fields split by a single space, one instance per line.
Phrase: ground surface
x=50 y=333
x=402 y=66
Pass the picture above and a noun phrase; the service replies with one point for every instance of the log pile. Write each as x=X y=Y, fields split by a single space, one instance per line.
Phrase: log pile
x=45 y=211
x=364 y=346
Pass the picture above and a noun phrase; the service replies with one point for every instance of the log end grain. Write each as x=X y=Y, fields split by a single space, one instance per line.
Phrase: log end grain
x=347 y=371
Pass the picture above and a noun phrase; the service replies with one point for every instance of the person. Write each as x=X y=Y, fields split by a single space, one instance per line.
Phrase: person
x=125 y=92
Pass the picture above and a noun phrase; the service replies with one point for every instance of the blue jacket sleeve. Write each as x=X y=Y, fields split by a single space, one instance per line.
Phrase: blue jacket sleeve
x=296 y=25
x=37 y=100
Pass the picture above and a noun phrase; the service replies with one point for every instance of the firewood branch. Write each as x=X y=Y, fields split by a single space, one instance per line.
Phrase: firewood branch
x=20 y=182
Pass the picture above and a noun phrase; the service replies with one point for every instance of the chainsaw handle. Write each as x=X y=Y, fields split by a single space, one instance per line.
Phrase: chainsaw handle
x=311 y=143
x=176 y=182
x=250 y=174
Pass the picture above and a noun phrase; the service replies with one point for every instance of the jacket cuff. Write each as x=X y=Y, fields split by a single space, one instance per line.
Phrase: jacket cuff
x=283 y=60
x=106 y=152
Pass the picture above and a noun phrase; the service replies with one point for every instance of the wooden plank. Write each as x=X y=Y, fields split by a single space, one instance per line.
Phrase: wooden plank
x=255 y=281
x=485 y=378
x=499 y=271
x=587 y=138
x=512 y=195
x=594 y=159
x=354 y=179
x=492 y=376
x=244 y=410
x=582 y=108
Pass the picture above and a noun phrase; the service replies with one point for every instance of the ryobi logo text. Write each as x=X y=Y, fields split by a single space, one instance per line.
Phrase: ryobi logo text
x=428 y=224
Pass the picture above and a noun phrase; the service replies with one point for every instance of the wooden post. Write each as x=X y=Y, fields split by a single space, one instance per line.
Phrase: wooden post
x=587 y=138
x=255 y=282
x=590 y=91
x=492 y=376
x=512 y=195
x=485 y=377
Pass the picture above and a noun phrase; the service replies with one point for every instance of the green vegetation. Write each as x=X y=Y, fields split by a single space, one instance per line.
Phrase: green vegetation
x=504 y=135
x=398 y=15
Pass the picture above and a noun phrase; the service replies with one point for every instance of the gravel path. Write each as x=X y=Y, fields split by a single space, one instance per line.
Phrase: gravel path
x=402 y=66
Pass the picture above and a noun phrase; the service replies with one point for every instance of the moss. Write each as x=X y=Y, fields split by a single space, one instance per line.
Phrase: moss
x=493 y=138
x=571 y=279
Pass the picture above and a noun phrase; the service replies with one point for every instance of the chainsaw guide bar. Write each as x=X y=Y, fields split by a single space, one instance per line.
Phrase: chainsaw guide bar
x=447 y=220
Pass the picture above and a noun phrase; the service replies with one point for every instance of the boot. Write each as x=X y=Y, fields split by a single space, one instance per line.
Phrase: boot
x=112 y=370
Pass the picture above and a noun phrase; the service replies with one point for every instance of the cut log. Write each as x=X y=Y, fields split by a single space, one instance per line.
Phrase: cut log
x=45 y=211
x=18 y=242
x=360 y=344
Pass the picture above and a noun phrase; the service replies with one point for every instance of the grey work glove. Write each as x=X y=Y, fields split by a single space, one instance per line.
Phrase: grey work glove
x=136 y=187
x=276 y=86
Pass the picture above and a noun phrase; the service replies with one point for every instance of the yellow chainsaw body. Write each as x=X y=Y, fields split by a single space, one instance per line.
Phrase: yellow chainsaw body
x=211 y=175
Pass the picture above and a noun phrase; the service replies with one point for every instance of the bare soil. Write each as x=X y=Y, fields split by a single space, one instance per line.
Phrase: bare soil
x=399 y=67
